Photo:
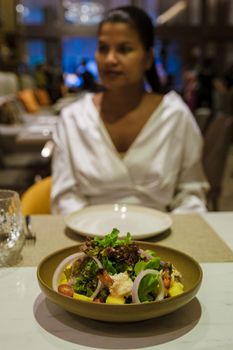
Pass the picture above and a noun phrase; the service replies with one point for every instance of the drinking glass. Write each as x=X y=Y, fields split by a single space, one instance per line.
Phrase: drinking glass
x=11 y=228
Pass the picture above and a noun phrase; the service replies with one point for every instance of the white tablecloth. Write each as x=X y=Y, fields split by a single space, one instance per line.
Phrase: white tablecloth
x=28 y=320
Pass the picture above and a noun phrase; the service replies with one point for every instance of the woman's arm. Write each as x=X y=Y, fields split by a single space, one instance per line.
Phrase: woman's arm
x=190 y=194
x=66 y=196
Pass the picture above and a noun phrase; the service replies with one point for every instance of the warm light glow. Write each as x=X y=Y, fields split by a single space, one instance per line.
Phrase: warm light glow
x=124 y=209
x=20 y=8
x=171 y=12
x=83 y=12
x=116 y=207
x=47 y=149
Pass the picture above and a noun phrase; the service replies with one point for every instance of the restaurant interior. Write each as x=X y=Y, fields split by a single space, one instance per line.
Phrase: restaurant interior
x=47 y=60
x=114 y=276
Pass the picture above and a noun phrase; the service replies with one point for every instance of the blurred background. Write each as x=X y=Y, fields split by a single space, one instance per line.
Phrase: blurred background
x=47 y=59
x=61 y=33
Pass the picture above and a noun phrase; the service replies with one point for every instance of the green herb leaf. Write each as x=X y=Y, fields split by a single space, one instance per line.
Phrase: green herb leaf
x=109 y=240
x=108 y=266
x=139 y=266
x=151 y=252
x=143 y=265
x=148 y=288
x=153 y=264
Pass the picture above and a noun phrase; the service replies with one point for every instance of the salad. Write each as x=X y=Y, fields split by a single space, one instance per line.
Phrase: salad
x=116 y=271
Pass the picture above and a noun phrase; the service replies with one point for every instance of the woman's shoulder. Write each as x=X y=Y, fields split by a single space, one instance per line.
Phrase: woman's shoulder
x=80 y=114
x=173 y=99
x=174 y=109
x=177 y=106
x=170 y=103
x=180 y=109
x=80 y=103
x=170 y=99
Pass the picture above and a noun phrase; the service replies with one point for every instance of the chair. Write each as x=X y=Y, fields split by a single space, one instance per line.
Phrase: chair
x=217 y=142
x=16 y=179
x=36 y=199
x=203 y=118
x=9 y=83
x=13 y=156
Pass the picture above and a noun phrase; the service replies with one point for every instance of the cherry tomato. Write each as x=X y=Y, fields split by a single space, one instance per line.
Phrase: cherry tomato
x=66 y=290
x=98 y=300
x=167 y=282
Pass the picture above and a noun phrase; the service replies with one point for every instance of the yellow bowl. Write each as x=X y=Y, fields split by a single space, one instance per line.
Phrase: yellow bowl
x=191 y=278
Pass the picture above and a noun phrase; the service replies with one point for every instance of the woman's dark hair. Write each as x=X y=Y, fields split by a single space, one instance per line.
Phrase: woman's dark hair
x=141 y=22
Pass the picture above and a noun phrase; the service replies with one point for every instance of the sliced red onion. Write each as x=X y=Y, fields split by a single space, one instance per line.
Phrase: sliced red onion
x=60 y=268
x=99 y=284
x=145 y=254
x=71 y=281
x=98 y=289
x=69 y=261
x=97 y=261
x=137 y=281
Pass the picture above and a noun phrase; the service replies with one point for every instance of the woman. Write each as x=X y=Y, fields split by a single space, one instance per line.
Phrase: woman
x=125 y=144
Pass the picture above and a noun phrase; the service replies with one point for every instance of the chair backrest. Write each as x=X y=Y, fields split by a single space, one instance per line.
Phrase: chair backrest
x=36 y=199
x=9 y=83
x=203 y=118
x=26 y=81
x=217 y=141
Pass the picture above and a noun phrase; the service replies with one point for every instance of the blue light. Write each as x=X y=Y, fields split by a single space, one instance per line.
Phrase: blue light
x=33 y=15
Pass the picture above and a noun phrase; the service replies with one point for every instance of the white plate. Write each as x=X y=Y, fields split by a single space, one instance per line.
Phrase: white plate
x=99 y=220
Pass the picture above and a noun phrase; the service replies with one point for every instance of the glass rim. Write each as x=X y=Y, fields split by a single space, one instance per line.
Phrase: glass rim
x=7 y=194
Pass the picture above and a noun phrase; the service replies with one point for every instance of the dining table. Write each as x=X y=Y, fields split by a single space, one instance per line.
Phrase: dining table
x=29 y=320
x=39 y=131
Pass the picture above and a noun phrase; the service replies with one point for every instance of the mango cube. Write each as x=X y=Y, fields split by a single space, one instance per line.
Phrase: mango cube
x=63 y=279
x=115 y=300
x=176 y=289
x=81 y=297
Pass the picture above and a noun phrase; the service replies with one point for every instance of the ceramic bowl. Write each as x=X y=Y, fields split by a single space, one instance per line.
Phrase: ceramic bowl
x=191 y=278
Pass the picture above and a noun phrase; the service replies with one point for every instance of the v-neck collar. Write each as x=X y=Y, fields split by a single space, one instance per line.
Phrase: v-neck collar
x=138 y=137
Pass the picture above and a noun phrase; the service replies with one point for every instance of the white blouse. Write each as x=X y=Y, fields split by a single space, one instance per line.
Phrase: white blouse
x=162 y=168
